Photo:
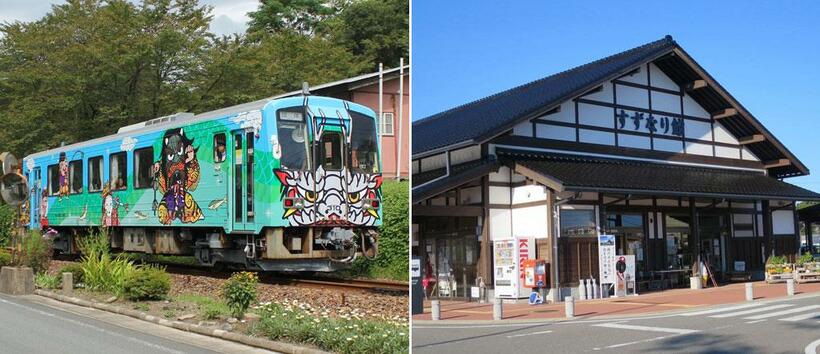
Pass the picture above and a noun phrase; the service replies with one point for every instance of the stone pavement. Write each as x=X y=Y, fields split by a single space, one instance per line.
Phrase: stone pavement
x=655 y=302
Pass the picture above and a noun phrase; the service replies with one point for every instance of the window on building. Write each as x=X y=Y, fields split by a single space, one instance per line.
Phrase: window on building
x=53 y=179
x=678 y=251
x=330 y=151
x=220 y=148
x=386 y=123
x=75 y=176
x=578 y=223
x=629 y=235
x=143 y=161
x=95 y=168
x=118 y=172
x=291 y=133
x=363 y=147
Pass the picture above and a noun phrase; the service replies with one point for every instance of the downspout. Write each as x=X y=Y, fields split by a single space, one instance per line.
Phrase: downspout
x=381 y=98
x=401 y=111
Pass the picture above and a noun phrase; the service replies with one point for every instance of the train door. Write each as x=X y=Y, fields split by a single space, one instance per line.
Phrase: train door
x=36 y=195
x=242 y=181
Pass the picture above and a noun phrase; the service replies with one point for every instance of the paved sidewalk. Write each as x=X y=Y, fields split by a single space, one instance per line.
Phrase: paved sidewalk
x=655 y=302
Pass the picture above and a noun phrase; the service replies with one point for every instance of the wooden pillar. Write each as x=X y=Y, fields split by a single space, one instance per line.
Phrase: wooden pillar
x=694 y=234
x=809 y=236
x=552 y=256
x=767 y=231
x=796 y=231
x=486 y=261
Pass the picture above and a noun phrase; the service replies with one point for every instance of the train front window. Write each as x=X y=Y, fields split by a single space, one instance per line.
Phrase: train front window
x=293 y=142
x=363 y=147
x=330 y=151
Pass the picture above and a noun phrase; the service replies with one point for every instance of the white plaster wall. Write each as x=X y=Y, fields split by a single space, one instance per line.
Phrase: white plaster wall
x=665 y=102
x=668 y=145
x=566 y=113
x=462 y=155
x=698 y=149
x=503 y=175
x=596 y=137
x=555 y=132
x=722 y=135
x=748 y=155
x=605 y=95
x=523 y=129
x=659 y=79
x=632 y=96
x=499 y=195
x=599 y=116
x=433 y=162
x=515 y=178
x=526 y=194
x=633 y=141
x=692 y=108
x=471 y=195
x=530 y=222
x=727 y=152
x=500 y=224
x=698 y=130
x=782 y=222
x=638 y=78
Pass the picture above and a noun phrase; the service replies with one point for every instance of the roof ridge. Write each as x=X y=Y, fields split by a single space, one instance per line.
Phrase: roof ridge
x=666 y=40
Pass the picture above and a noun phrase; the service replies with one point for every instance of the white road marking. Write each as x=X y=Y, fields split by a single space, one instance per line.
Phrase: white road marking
x=804 y=316
x=529 y=334
x=812 y=347
x=723 y=309
x=760 y=309
x=784 y=312
x=638 y=341
x=647 y=328
x=98 y=329
x=758 y=321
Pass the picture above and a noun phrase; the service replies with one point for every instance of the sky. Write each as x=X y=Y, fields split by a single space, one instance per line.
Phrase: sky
x=766 y=55
x=229 y=16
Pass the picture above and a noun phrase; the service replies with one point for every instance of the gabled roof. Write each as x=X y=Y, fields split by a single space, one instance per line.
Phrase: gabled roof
x=479 y=121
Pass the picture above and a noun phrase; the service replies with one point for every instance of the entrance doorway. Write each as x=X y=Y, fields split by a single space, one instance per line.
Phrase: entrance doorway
x=714 y=229
x=243 y=181
x=450 y=255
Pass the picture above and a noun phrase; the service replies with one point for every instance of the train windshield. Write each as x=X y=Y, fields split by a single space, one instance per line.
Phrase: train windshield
x=292 y=135
x=363 y=146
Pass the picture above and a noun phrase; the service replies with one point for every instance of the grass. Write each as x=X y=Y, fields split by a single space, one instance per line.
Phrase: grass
x=44 y=280
x=348 y=333
x=209 y=308
x=152 y=258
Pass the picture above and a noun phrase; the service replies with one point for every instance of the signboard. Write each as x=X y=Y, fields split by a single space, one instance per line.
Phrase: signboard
x=526 y=250
x=474 y=293
x=606 y=259
x=740 y=266
x=624 y=274
x=415 y=268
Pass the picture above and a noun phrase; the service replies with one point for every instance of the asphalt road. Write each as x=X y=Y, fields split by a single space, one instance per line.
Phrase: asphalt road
x=777 y=326
x=32 y=324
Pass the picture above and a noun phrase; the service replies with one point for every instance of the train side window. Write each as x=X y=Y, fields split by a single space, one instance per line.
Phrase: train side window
x=143 y=160
x=95 y=168
x=118 y=172
x=75 y=176
x=53 y=180
x=220 y=150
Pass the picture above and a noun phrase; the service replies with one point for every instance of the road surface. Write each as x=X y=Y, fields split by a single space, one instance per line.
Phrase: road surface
x=786 y=325
x=33 y=324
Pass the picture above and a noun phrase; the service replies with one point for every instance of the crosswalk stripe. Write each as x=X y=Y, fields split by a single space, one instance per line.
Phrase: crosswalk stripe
x=804 y=316
x=723 y=309
x=647 y=328
x=528 y=334
x=784 y=312
x=759 y=309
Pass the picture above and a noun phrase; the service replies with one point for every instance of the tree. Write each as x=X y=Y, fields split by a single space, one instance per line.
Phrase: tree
x=300 y=16
x=376 y=31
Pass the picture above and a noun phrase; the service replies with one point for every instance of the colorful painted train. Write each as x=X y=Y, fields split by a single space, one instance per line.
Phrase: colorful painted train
x=281 y=184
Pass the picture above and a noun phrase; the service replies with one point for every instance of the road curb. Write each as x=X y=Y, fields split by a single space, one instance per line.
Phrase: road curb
x=535 y=321
x=183 y=326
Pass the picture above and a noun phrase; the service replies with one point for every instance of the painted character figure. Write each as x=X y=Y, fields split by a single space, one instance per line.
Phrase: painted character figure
x=63 y=167
x=44 y=212
x=25 y=209
x=109 y=212
x=177 y=175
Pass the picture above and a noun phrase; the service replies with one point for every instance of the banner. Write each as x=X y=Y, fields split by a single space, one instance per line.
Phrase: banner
x=606 y=259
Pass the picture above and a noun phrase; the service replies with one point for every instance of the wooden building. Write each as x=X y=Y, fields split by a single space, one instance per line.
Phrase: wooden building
x=645 y=145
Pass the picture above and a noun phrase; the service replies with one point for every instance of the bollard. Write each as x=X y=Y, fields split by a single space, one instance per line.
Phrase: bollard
x=569 y=306
x=498 y=311
x=790 y=287
x=68 y=283
x=749 y=292
x=436 y=308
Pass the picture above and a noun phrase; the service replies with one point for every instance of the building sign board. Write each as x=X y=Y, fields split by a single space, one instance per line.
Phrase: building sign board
x=606 y=259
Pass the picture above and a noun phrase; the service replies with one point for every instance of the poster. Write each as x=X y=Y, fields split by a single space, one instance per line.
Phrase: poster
x=625 y=274
x=606 y=259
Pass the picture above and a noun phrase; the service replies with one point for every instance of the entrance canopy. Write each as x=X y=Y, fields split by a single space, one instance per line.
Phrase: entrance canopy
x=579 y=173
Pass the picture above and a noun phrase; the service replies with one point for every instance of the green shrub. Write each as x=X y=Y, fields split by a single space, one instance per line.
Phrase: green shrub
x=45 y=281
x=805 y=258
x=147 y=283
x=5 y=258
x=35 y=251
x=76 y=269
x=776 y=260
x=96 y=242
x=7 y=214
x=239 y=292
x=103 y=273
x=213 y=311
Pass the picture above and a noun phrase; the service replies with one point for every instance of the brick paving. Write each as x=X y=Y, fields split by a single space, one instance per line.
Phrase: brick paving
x=655 y=302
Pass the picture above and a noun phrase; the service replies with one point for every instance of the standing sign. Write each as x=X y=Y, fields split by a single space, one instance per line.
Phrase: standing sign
x=606 y=259
x=526 y=250
x=624 y=274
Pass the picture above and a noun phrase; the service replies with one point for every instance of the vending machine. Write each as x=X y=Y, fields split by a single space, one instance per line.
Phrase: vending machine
x=508 y=266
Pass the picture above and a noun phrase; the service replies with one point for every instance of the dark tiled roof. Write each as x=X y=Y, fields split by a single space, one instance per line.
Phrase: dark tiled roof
x=491 y=115
x=624 y=176
x=459 y=174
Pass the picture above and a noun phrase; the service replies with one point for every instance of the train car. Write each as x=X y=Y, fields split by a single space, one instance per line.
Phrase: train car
x=283 y=184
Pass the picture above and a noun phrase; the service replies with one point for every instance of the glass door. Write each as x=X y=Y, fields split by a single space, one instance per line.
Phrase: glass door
x=242 y=181
x=713 y=229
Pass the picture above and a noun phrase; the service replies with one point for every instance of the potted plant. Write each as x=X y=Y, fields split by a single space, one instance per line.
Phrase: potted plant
x=777 y=270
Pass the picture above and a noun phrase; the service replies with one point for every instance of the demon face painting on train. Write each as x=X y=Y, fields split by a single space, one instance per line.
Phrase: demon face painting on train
x=279 y=184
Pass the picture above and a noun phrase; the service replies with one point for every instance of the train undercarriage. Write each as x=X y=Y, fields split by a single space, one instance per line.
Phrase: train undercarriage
x=297 y=249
